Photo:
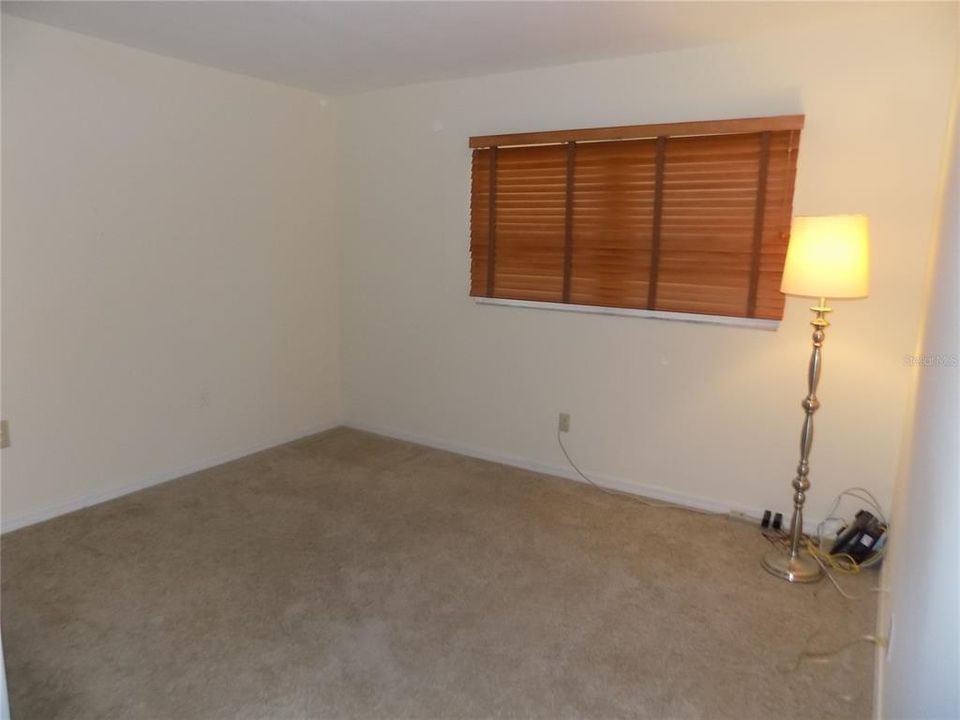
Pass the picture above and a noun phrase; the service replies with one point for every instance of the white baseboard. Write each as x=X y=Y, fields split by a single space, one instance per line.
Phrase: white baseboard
x=86 y=500
x=654 y=492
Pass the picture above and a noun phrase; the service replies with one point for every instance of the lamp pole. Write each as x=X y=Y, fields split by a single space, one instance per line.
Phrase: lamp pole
x=797 y=566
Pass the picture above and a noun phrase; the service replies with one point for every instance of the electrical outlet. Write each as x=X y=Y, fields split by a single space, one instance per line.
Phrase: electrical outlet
x=564 y=422
x=4 y=434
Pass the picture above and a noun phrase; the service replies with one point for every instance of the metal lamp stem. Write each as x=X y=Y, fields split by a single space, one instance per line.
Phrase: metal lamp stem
x=797 y=565
x=810 y=404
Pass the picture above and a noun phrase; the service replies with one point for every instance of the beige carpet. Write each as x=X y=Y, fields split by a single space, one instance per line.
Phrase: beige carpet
x=351 y=576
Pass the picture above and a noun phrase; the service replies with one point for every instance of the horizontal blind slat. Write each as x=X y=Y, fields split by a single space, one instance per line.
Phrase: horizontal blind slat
x=708 y=226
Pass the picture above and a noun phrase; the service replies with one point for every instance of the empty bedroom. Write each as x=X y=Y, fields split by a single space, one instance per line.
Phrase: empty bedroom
x=473 y=360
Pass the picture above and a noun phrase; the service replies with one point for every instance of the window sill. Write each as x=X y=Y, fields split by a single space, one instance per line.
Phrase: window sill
x=756 y=323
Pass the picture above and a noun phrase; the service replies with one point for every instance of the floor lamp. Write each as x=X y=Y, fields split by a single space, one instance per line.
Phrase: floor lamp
x=827 y=258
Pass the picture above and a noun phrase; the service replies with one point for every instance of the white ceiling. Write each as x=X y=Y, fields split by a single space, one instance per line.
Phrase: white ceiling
x=347 y=47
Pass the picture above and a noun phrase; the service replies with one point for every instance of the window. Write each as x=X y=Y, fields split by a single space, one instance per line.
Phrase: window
x=683 y=217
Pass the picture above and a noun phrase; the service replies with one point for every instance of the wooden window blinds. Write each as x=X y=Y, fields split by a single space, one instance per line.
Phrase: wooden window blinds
x=681 y=217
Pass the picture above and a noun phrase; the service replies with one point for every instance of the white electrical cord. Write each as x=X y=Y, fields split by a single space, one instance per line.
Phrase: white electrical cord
x=854 y=492
x=864 y=495
x=867 y=497
x=844 y=593
x=629 y=496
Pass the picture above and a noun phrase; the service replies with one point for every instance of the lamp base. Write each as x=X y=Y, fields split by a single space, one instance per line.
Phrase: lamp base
x=799 y=569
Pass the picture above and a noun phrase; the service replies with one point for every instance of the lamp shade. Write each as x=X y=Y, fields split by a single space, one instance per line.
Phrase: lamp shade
x=827 y=257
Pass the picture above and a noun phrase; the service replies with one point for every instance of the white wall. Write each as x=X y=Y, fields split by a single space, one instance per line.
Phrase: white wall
x=704 y=412
x=919 y=676
x=170 y=292
x=170 y=268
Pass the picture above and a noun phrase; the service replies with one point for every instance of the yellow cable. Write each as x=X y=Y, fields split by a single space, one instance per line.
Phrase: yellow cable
x=841 y=562
x=828 y=655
